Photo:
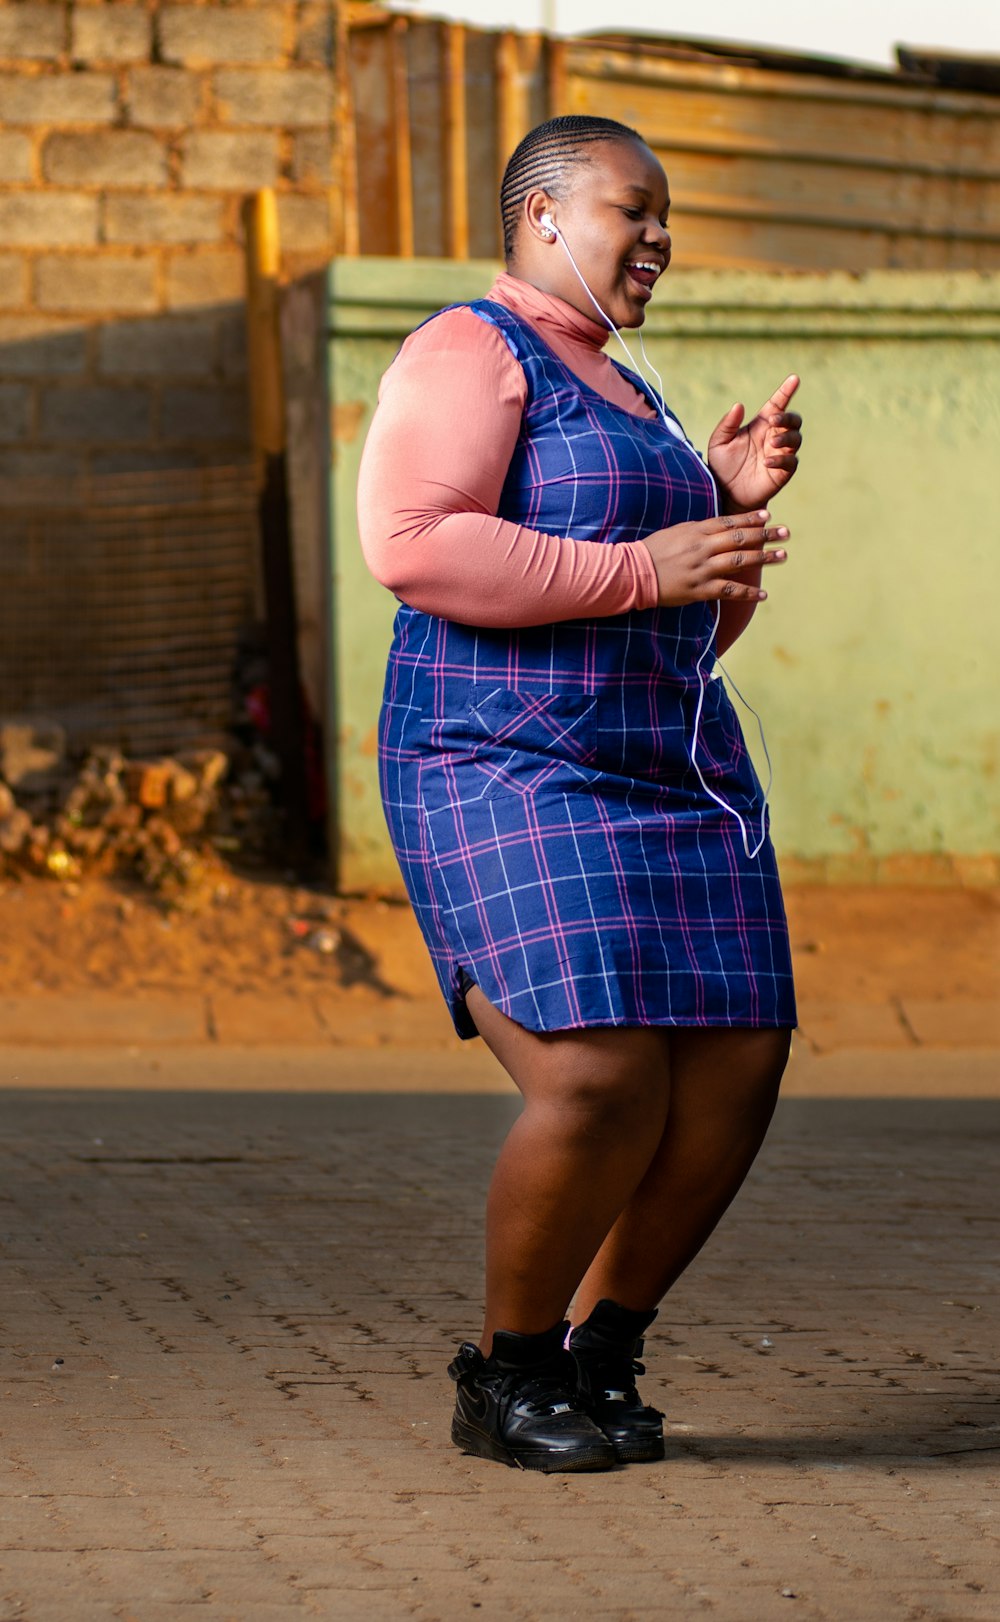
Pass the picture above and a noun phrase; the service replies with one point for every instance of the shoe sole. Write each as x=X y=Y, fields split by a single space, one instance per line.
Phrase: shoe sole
x=639 y=1452
x=484 y=1447
x=634 y=1449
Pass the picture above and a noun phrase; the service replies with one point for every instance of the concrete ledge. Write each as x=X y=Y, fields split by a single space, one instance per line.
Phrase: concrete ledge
x=826 y=1026
x=275 y=1021
x=256 y=1069
x=102 y=1018
x=953 y=1023
x=419 y=1030
x=468 y=1069
x=397 y=1021
x=892 y=1073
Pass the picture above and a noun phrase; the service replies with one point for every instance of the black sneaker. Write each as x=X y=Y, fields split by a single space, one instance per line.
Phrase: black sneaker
x=519 y=1405
x=606 y=1349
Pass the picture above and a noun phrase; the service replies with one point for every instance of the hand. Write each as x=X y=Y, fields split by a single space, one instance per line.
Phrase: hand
x=754 y=461
x=695 y=563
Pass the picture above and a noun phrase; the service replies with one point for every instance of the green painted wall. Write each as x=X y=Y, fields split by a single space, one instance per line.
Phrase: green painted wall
x=873 y=662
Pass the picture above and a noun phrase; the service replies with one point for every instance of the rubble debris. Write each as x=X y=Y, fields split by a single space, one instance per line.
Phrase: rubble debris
x=172 y=821
x=32 y=754
x=15 y=824
x=61 y=864
x=162 y=820
x=146 y=782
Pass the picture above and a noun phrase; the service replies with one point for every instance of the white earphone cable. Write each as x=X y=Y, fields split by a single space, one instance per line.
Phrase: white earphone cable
x=668 y=421
x=703 y=680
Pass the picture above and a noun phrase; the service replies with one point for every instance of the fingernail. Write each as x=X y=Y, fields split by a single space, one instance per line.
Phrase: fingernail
x=761 y=595
x=762 y=512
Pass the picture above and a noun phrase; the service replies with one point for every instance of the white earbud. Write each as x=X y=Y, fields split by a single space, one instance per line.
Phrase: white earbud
x=548 y=226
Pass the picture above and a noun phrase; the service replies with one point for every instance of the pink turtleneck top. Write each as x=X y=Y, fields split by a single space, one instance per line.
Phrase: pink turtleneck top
x=434 y=464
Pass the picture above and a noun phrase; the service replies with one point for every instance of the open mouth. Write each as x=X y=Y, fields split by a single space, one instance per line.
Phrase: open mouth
x=644 y=273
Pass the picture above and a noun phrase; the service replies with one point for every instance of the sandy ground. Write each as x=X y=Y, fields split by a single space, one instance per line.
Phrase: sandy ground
x=241 y=934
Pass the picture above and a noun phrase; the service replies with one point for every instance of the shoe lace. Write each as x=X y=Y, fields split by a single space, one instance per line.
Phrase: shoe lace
x=548 y=1389
x=619 y=1380
x=613 y=1373
x=543 y=1391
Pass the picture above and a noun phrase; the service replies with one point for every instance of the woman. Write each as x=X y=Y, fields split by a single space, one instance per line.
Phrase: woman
x=568 y=792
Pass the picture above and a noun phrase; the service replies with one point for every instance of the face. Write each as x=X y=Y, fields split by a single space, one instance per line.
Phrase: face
x=614 y=221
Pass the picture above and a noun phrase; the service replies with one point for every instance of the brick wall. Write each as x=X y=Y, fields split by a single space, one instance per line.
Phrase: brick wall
x=129 y=134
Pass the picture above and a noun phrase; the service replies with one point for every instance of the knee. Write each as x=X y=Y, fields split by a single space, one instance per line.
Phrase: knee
x=611 y=1092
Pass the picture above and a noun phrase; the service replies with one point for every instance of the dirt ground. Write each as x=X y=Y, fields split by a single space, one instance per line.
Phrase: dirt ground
x=265 y=937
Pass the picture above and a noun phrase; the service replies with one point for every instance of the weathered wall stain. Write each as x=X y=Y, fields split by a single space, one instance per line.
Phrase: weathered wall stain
x=346 y=418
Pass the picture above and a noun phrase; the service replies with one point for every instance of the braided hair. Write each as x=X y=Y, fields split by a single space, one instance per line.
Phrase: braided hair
x=544 y=158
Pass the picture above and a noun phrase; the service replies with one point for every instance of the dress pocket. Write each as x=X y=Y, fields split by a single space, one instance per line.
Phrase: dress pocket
x=523 y=740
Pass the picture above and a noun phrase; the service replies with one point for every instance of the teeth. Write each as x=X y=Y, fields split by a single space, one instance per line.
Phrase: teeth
x=644 y=264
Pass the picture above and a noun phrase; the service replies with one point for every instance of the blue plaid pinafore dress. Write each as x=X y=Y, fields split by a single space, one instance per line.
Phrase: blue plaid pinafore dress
x=555 y=842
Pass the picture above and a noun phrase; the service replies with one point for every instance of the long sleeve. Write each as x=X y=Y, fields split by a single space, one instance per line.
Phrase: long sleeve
x=432 y=472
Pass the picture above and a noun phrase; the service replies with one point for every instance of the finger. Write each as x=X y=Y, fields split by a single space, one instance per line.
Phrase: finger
x=788 y=419
x=735 y=529
x=789 y=438
x=731 y=521
x=755 y=537
x=746 y=542
x=734 y=591
x=733 y=562
x=783 y=393
x=728 y=426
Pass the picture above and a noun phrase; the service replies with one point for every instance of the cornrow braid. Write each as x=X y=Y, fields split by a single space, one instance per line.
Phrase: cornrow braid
x=542 y=160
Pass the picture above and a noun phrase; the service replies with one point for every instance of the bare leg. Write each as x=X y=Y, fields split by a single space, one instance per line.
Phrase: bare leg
x=595 y=1108
x=723 y=1089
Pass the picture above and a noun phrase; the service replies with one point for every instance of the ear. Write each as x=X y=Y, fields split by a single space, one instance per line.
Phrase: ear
x=536 y=205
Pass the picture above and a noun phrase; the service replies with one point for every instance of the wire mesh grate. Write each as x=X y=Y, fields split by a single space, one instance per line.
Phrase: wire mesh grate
x=121 y=601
